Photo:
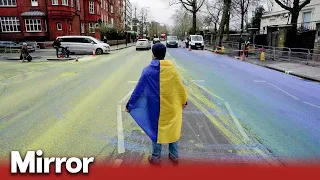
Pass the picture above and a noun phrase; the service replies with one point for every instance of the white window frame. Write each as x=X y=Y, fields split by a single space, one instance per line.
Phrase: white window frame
x=11 y=22
x=112 y=23
x=91 y=7
x=111 y=8
x=12 y=3
x=45 y=25
x=98 y=10
x=306 y=23
x=59 y=29
x=65 y=2
x=70 y=26
x=54 y=2
x=33 y=23
x=91 y=27
x=82 y=27
x=78 y=5
x=34 y=3
x=72 y=3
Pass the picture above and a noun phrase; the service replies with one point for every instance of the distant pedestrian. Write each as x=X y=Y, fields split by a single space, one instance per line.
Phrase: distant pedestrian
x=247 y=47
x=24 y=55
x=57 y=46
x=156 y=104
x=105 y=40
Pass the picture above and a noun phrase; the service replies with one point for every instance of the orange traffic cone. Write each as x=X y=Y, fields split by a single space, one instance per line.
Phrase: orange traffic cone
x=93 y=52
x=243 y=56
x=77 y=60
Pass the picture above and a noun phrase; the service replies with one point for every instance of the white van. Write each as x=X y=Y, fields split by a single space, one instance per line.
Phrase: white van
x=84 y=44
x=196 y=42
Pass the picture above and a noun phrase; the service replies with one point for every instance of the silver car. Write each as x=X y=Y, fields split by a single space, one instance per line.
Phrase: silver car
x=143 y=44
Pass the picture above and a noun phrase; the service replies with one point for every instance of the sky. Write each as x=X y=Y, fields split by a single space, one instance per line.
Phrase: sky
x=160 y=10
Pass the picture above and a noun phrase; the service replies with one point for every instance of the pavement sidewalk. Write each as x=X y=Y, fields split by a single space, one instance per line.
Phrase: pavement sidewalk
x=293 y=68
x=44 y=54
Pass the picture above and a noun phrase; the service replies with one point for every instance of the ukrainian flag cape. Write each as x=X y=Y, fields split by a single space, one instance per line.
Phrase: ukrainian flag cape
x=156 y=102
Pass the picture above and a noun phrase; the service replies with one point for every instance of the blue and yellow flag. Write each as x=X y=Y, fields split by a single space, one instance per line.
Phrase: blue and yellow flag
x=156 y=102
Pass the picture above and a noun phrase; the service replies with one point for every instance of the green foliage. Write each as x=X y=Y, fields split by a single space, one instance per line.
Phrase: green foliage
x=257 y=15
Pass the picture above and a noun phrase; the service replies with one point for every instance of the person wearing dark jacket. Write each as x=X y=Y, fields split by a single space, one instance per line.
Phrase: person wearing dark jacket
x=57 y=45
x=25 y=53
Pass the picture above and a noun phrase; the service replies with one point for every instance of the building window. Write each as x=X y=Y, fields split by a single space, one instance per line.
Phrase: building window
x=111 y=8
x=82 y=27
x=91 y=7
x=102 y=4
x=70 y=27
x=78 y=5
x=34 y=2
x=307 y=19
x=72 y=3
x=45 y=26
x=91 y=27
x=33 y=25
x=59 y=26
x=98 y=10
x=8 y=3
x=106 y=6
x=55 y=2
x=65 y=2
x=10 y=24
x=112 y=21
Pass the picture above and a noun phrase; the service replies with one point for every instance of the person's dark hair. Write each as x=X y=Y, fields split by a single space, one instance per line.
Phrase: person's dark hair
x=159 y=51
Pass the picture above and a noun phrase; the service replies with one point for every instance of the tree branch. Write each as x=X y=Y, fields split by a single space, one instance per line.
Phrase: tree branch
x=186 y=7
x=201 y=3
x=284 y=6
x=304 y=4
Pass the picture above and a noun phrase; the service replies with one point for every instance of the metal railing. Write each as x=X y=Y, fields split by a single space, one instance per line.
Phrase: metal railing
x=300 y=55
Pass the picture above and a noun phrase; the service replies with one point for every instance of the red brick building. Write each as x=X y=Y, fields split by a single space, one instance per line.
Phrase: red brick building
x=42 y=20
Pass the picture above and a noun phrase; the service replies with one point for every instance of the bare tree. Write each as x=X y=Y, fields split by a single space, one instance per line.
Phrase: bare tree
x=192 y=6
x=294 y=7
x=224 y=19
x=214 y=10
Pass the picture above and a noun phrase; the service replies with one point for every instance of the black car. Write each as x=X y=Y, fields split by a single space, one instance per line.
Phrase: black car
x=172 y=41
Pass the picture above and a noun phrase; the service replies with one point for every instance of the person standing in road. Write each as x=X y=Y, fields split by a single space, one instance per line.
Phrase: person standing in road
x=157 y=102
x=247 y=47
x=57 y=45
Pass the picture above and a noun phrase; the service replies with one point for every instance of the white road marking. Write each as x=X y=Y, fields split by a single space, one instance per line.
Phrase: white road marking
x=236 y=121
x=121 y=148
x=223 y=65
x=266 y=157
x=294 y=97
x=133 y=82
x=117 y=162
x=312 y=104
x=259 y=81
x=198 y=81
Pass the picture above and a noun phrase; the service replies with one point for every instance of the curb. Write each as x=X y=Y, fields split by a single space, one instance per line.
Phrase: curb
x=121 y=48
x=60 y=59
x=281 y=70
x=294 y=74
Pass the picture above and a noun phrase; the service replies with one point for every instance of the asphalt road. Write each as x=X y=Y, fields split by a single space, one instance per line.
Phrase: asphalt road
x=238 y=112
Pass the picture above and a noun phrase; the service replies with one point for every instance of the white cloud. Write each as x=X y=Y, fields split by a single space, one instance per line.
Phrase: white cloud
x=159 y=11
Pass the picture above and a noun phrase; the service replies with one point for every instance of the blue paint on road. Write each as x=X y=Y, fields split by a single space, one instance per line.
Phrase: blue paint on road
x=270 y=104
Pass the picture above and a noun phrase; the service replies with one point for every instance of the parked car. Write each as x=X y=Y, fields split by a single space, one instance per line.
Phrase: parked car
x=84 y=44
x=196 y=42
x=156 y=40
x=143 y=44
x=15 y=45
x=172 y=41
